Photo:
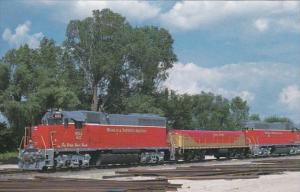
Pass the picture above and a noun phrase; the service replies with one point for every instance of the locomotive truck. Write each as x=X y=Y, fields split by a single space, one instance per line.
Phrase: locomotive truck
x=73 y=139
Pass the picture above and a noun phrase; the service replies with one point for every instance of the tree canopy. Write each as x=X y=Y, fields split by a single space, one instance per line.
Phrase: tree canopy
x=117 y=58
x=274 y=119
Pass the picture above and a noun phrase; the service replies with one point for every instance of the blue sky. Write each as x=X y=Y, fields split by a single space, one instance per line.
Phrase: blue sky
x=247 y=49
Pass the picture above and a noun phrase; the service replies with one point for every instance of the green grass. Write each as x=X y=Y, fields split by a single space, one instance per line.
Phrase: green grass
x=8 y=155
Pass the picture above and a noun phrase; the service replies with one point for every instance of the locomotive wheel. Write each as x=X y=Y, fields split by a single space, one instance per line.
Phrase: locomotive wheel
x=98 y=161
x=44 y=169
x=188 y=157
x=157 y=161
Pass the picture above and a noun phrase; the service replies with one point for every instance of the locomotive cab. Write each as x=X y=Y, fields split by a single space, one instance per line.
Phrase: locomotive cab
x=65 y=117
x=37 y=148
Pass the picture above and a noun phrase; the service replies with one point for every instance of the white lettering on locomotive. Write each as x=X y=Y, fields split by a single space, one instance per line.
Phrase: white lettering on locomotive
x=126 y=130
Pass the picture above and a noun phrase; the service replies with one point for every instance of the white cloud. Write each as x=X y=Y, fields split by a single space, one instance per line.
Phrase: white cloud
x=22 y=36
x=246 y=80
x=133 y=10
x=278 y=24
x=289 y=24
x=188 y=15
x=290 y=97
x=261 y=24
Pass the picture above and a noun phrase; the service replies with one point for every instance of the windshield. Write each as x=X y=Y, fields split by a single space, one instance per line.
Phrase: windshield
x=52 y=121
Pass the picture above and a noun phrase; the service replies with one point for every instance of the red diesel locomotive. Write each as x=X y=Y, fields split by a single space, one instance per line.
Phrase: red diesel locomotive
x=85 y=138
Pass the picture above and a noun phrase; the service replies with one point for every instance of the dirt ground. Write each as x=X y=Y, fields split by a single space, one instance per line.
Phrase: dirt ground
x=285 y=182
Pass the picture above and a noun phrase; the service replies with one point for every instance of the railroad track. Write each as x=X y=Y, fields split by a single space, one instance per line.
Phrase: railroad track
x=160 y=181
x=211 y=172
x=11 y=171
x=114 y=166
x=82 y=185
x=110 y=166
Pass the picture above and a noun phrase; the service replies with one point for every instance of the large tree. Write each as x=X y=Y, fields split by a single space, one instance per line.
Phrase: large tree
x=119 y=61
x=151 y=55
x=239 y=111
x=96 y=42
x=274 y=119
x=34 y=83
x=4 y=76
x=7 y=142
x=176 y=108
x=254 y=117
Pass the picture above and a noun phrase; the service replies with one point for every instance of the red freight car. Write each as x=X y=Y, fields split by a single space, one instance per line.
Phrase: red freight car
x=266 y=142
x=78 y=138
x=191 y=144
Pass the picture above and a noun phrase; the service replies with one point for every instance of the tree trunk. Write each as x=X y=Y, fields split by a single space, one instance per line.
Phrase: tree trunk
x=94 y=106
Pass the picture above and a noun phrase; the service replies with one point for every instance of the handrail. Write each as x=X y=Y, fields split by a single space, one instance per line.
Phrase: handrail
x=44 y=146
x=21 y=143
x=25 y=136
x=43 y=142
x=51 y=138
